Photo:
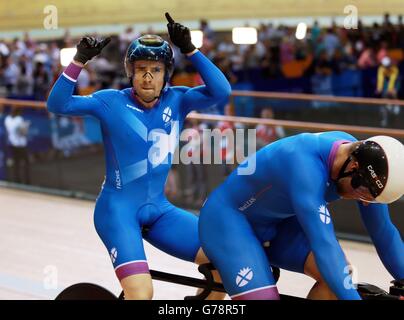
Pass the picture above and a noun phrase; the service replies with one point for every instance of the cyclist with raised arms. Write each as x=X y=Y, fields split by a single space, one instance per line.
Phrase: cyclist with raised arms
x=140 y=128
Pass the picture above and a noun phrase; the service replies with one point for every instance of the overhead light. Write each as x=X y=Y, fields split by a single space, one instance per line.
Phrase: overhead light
x=66 y=56
x=244 y=35
x=197 y=38
x=301 y=31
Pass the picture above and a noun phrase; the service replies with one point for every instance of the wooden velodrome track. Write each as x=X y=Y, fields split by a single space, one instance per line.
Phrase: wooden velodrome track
x=49 y=240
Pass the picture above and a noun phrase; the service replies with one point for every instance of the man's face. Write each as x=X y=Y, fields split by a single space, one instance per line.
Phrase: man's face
x=148 y=79
x=346 y=191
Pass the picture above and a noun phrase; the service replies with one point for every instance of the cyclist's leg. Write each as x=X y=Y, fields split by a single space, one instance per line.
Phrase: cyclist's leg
x=290 y=250
x=230 y=243
x=117 y=226
x=176 y=232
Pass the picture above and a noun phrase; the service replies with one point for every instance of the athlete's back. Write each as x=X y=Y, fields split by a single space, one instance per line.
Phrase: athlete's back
x=266 y=193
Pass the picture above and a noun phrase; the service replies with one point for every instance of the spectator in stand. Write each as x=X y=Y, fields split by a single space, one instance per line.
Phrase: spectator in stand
x=269 y=65
x=253 y=56
x=262 y=32
x=387 y=79
x=321 y=79
x=386 y=18
x=287 y=50
x=265 y=133
x=24 y=86
x=341 y=61
x=17 y=133
x=41 y=82
x=388 y=85
x=315 y=32
x=382 y=51
x=42 y=56
x=207 y=30
x=10 y=73
x=237 y=59
x=227 y=142
x=226 y=46
x=375 y=34
x=127 y=37
x=400 y=33
x=26 y=61
x=68 y=40
x=17 y=49
x=270 y=32
x=4 y=49
x=367 y=59
x=195 y=190
x=322 y=65
x=224 y=64
x=331 y=42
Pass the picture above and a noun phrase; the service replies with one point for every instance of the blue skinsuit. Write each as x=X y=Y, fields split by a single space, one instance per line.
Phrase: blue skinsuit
x=284 y=202
x=139 y=145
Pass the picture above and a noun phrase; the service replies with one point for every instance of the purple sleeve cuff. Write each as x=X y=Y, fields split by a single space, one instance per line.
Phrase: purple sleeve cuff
x=72 y=71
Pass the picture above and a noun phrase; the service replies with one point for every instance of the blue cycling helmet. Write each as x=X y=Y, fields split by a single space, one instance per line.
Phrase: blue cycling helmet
x=150 y=47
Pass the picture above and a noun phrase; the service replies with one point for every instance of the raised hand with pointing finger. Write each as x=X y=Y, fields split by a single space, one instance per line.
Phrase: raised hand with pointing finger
x=180 y=35
x=88 y=48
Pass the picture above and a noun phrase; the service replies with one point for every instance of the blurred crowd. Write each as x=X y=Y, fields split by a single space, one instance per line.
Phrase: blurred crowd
x=28 y=67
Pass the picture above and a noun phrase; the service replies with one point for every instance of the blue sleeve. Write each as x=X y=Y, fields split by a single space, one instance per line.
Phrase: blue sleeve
x=215 y=91
x=62 y=101
x=307 y=195
x=385 y=236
